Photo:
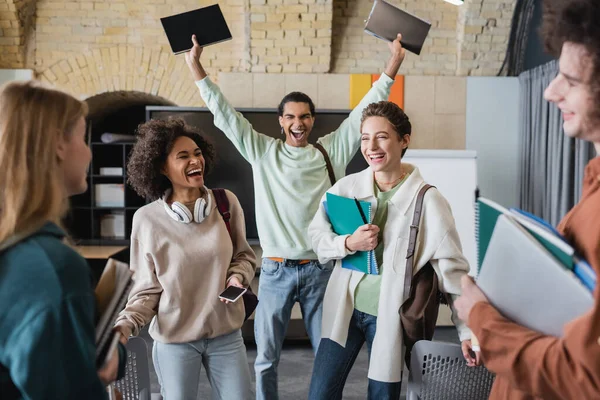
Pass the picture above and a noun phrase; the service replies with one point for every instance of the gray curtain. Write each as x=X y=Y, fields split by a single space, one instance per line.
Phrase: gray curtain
x=552 y=164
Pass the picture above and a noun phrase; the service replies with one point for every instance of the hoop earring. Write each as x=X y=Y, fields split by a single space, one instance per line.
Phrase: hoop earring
x=282 y=131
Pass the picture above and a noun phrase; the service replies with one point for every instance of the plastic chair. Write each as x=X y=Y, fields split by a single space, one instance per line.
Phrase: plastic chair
x=135 y=385
x=440 y=372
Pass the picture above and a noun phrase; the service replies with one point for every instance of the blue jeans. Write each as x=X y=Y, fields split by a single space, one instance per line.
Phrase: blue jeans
x=282 y=284
x=178 y=368
x=333 y=363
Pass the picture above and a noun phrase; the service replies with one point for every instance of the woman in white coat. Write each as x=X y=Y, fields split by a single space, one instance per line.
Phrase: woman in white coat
x=362 y=308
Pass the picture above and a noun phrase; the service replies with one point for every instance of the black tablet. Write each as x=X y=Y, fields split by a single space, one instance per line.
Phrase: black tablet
x=207 y=23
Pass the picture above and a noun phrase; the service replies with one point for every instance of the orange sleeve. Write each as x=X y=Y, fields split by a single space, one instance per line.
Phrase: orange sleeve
x=540 y=365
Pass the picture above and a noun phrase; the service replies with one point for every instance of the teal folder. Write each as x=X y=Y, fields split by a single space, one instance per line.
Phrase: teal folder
x=345 y=219
x=547 y=236
x=487 y=213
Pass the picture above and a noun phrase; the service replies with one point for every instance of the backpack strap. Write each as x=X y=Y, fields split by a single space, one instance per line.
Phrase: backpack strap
x=412 y=241
x=319 y=147
x=249 y=298
x=223 y=206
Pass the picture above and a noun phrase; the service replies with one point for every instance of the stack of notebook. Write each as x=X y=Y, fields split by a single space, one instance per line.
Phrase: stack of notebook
x=111 y=296
x=529 y=271
x=345 y=218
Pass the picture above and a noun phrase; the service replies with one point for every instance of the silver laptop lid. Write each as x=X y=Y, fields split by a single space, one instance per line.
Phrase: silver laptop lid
x=386 y=21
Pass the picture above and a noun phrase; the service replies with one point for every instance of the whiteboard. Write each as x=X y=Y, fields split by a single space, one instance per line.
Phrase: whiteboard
x=454 y=174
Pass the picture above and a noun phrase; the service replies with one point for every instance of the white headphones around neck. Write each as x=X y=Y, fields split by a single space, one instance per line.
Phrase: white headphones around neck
x=179 y=212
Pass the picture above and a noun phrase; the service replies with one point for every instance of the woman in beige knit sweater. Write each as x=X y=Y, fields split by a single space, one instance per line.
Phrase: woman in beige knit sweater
x=182 y=257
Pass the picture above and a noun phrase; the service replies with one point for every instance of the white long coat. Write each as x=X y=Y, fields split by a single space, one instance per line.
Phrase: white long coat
x=437 y=242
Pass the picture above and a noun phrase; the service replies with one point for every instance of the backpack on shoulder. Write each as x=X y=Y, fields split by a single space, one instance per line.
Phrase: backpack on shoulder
x=419 y=312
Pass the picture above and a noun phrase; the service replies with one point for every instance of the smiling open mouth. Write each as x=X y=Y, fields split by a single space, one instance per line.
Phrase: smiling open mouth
x=195 y=172
x=297 y=134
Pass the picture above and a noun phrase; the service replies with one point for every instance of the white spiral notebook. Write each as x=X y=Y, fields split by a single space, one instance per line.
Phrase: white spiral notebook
x=527 y=284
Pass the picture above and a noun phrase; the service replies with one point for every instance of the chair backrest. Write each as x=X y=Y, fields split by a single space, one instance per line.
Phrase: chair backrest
x=439 y=372
x=135 y=385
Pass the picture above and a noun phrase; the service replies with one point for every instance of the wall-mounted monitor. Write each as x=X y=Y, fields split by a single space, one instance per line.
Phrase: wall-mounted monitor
x=232 y=171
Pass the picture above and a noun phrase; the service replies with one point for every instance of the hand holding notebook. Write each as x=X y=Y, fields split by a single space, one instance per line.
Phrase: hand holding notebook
x=387 y=21
x=346 y=219
x=111 y=296
x=207 y=24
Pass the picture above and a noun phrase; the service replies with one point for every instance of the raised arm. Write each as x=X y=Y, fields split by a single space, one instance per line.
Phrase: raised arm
x=144 y=295
x=251 y=144
x=243 y=263
x=192 y=58
x=342 y=143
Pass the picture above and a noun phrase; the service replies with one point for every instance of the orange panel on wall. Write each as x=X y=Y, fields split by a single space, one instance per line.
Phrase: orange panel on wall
x=397 y=92
x=359 y=86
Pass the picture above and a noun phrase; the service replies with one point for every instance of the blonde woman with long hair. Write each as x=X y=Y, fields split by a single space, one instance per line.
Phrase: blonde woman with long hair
x=47 y=347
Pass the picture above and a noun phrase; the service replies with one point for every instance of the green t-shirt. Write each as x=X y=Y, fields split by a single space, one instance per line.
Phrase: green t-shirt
x=366 y=296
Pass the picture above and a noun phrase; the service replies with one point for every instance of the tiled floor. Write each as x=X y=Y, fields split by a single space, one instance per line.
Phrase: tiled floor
x=296 y=366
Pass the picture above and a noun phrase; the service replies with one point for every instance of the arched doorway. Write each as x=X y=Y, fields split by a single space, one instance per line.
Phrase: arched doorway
x=120 y=112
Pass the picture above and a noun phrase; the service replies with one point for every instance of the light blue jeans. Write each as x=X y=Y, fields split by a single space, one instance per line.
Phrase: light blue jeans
x=178 y=368
x=282 y=284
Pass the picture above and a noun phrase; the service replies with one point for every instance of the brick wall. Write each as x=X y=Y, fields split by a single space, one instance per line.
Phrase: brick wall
x=16 y=22
x=467 y=40
x=90 y=47
x=483 y=36
x=290 y=35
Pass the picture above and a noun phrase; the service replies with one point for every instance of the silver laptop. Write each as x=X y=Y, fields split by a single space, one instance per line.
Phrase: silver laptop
x=386 y=22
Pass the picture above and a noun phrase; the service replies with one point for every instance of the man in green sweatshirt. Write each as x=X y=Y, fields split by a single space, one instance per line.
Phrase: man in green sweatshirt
x=289 y=180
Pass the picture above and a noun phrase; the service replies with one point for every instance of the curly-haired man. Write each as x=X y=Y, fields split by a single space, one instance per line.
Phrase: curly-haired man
x=528 y=364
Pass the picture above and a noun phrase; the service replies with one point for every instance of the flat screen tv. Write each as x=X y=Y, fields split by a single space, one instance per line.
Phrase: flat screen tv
x=231 y=170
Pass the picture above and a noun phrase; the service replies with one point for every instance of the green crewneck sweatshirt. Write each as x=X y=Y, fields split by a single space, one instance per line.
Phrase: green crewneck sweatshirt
x=366 y=295
x=289 y=181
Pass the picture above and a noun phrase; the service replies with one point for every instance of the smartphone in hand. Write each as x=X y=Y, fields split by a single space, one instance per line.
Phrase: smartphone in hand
x=232 y=293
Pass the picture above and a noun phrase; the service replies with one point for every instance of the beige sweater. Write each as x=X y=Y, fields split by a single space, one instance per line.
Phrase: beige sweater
x=180 y=269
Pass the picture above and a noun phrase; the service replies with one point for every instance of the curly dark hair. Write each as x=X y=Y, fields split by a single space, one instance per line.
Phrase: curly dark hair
x=393 y=113
x=155 y=140
x=576 y=21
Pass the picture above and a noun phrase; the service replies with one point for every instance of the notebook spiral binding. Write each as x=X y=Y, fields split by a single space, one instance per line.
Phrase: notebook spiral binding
x=373 y=266
x=476 y=209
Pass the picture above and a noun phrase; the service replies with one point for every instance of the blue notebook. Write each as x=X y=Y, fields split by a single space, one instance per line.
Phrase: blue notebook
x=345 y=218
x=557 y=245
